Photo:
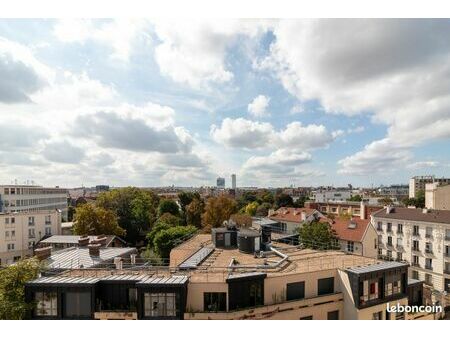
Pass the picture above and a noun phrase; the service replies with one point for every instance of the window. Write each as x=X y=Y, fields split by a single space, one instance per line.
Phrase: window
x=48 y=231
x=13 y=220
x=13 y=234
x=30 y=245
x=380 y=251
x=377 y=315
x=6 y=234
x=31 y=233
x=6 y=220
x=416 y=245
x=295 y=291
x=429 y=247
x=399 y=242
x=46 y=304
x=399 y=256
x=333 y=315
x=415 y=274
x=389 y=227
x=31 y=220
x=399 y=228
x=399 y=316
x=350 y=246
x=447 y=251
x=375 y=243
x=306 y=318
x=325 y=286
x=389 y=240
x=48 y=220
x=416 y=260
x=428 y=279
x=428 y=263
x=393 y=285
x=389 y=254
x=429 y=232
x=380 y=226
x=214 y=301
x=10 y=246
x=416 y=230
x=160 y=305
x=380 y=239
x=78 y=304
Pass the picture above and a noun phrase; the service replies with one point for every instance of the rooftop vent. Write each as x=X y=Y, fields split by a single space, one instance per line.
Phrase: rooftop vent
x=43 y=253
x=83 y=241
x=94 y=249
x=352 y=225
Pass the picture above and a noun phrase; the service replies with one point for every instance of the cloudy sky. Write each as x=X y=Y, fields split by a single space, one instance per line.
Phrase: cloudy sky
x=278 y=102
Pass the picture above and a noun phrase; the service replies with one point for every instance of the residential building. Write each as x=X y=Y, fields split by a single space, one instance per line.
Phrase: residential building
x=354 y=209
x=19 y=198
x=291 y=219
x=398 y=191
x=355 y=235
x=20 y=231
x=437 y=196
x=205 y=281
x=418 y=183
x=323 y=196
x=420 y=237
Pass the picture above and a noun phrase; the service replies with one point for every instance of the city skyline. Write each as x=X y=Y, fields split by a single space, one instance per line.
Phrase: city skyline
x=277 y=102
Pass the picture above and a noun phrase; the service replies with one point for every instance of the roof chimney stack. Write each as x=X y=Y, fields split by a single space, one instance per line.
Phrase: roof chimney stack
x=118 y=263
x=43 y=253
x=94 y=249
x=83 y=241
x=100 y=240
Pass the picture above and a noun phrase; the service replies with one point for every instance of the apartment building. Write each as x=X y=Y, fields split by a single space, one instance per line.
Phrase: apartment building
x=418 y=183
x=354 y=209
x=207 y=281
x=291 y=219
x=322 y=196
x=420 y=237
x=20 y=231
x=437 y=196
x=398 y=191
x=355 y=235
x=18 y=198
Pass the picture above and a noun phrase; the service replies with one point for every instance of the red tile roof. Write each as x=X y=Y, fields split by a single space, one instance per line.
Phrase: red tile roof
x=355 y=234
x=291 y=214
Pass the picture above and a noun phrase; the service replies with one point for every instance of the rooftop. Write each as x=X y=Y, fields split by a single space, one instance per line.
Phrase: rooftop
x=350 y=229
x=379 y=266
x=417 y=215
x=73 y=239
x=291 y=214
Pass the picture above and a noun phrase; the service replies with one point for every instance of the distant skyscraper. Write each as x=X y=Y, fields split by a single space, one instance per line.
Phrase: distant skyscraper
x=233 y=181
x=220 y=182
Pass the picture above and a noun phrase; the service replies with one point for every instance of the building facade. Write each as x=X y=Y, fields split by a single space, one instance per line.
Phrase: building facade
x=420 y=237
x=19 y=198
x=418 y=183
x=220 y=182
x=20 y=231
x=322 y=196
x=437 y=196
x=291 y=219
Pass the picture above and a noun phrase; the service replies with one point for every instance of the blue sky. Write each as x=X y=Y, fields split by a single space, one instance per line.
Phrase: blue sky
x=278 y=102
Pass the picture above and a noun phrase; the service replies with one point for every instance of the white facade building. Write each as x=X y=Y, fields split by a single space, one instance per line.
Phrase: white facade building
x=323 y=196
x=420 y=237
x=20 y=231
x=24 y=198
x=418 y=183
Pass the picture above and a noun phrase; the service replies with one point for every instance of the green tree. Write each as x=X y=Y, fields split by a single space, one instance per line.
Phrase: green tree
x=385 y=201
x=218 y=210
x=12 y=288
x=135 y=208
x=283 y=200
x=92 y=220
x=420 y=199
x=263 y=209
x=242 y=220
x=167 y=239
x=170 y=220
x=185 y=199
x=355 y=198
x=317 y=236
x=168 y=206
x=194 y=212
x=251 y=208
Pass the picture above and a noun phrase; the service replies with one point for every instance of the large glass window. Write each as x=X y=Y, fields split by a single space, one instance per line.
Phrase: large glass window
x=78 y=304
x=393 y=285
x=214 y=301
x=295 y=291
x=160 y=305
x=46 y=304
x=325 y=286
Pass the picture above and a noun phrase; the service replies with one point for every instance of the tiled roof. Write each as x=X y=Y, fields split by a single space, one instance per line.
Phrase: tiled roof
x=417 y=215
x=350 y=230
x=291 y=214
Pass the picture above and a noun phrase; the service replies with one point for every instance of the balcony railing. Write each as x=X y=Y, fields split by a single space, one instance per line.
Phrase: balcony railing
x=429 y=251
x=416 y=234
x=415 y=249
x=429 y=267
x=389 y=230
x=379 y=229
x=430 y=236
x=417 y=265
x=389 y=244
x=399 y=232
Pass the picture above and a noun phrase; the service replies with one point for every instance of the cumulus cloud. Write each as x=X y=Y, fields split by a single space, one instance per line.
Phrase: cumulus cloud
x=277 y=161
x=423 y=165
x=15 y=136
x=258 y=107
x=63 y=152
x=20 y=73
x=397 y=70
x=194 y=52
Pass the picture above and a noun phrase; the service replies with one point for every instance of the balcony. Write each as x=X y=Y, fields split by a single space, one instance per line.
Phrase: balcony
x=416 y=234
x=389 y=245
x=379 y=229
x=429 y=267
x=429 y=251
x=429 y=236
x=417 y=265
x=399 y=232
x=415 y=249
x=389 y=231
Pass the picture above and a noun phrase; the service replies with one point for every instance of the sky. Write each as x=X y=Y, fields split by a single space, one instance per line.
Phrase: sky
x=150 y=102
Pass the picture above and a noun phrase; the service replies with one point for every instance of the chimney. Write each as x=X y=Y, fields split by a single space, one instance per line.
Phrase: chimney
x=389 y=209
x=303 y=216
x=362 y=210
x=100 y=240
x=94 y=249
x=83 y=241
x=118 y=263
x=133 y=259
x=43 y=253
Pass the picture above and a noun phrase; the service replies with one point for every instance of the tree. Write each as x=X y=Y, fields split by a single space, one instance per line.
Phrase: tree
x=263 y=209
x=12 y=288
x=317 y=236
x=167 y=239
x=218 y=210
x=168 y=206
x=170 y=219
x=194 y=212
x=242 y=220
x=420 y=199
x=283 y=200
x=185 y=199
x=135 y=208
x=92 y=220
x=385 y=201
x=250 y=209
x=355 y=198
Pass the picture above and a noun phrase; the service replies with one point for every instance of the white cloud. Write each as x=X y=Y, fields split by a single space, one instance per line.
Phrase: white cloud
x=423 y=165
x=258 y=107
x=194 y=52
x=397 y=70
x=119 y=34
x=302 y=137
x=63 y=152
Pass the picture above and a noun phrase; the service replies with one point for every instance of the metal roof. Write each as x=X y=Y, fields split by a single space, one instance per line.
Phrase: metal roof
x=194 y=260
x=122 y=277
x=246 y=275
x=172 y=280
x=376 y=267
x=64 y=239
x=64 y=280
x=79 y=257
